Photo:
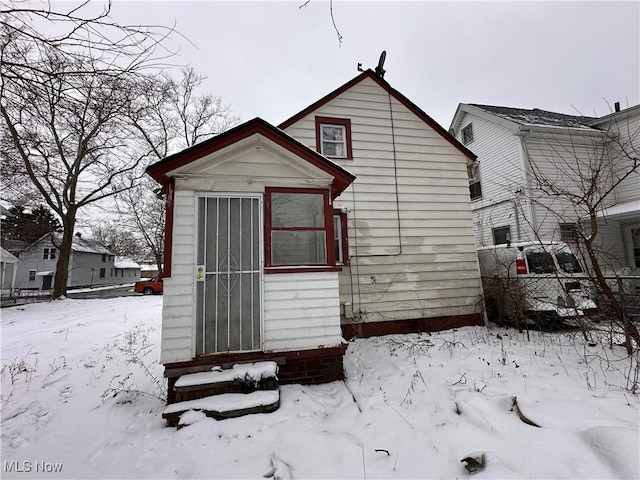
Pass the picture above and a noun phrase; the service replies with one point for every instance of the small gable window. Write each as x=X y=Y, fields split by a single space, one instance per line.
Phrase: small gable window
x=333 y=137
x=49 y=254
x=467 y=134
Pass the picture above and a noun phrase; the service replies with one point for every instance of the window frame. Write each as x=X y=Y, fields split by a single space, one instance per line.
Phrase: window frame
x=475 y=183
x=30 y=277
x=334 y=122
x=103 y=272
x=508 y=232
x=330 y=261
x=343 y=237
x=568 y=232
x=467 y=134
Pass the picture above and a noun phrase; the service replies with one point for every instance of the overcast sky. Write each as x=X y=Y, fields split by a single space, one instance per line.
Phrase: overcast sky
x=272 y=59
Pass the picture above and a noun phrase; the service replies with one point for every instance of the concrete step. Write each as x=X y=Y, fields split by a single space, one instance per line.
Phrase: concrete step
x=241 y=378
x=227 y=405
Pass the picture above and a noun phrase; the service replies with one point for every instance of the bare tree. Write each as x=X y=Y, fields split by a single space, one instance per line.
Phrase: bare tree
x=176 y=116
x=588 y=168
x=66 y=100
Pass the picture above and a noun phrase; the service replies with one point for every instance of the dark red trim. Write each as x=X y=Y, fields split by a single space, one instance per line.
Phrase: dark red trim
x=344 y=122
x=394 y=93
x=328 y=230
x=375 y=329
x=169 y=192
x=303 y=269
x=257 y=126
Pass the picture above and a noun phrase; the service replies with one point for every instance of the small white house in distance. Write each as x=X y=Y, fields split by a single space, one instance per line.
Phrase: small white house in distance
x=126 y=270
x=351 y=218
x=518 y=149
x=91 y=264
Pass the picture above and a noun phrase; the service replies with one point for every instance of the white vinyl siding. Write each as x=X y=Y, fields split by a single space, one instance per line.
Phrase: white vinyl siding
x=434 y=205
x=301 y=311
x=177 y=308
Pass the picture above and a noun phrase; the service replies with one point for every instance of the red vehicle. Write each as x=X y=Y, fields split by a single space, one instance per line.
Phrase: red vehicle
x=149 y=287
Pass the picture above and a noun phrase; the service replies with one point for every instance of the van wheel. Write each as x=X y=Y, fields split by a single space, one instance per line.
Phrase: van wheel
x=147 y=291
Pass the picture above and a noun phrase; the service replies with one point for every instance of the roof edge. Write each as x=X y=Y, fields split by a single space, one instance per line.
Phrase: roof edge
x=394 y=93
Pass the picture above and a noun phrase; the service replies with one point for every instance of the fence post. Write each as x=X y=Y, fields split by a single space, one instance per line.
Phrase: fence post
x=625 y=319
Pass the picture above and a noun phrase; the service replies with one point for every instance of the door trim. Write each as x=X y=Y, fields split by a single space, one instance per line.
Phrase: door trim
x=196 y=232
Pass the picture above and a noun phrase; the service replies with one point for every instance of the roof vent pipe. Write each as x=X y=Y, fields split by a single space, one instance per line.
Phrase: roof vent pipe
x=78 y=234
x=616 y=106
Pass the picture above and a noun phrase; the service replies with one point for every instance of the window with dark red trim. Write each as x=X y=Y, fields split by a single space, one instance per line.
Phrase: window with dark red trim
x=340 y=238
x=333 y=137
x=298 y=223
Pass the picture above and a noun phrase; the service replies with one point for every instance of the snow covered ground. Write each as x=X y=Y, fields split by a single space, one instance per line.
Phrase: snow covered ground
x=413 y=406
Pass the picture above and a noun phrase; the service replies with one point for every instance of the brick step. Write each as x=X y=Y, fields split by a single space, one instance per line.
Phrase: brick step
x=227 y=405
x=241 y=378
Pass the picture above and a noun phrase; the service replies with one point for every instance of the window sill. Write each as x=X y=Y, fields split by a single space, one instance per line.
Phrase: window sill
x=303 y=269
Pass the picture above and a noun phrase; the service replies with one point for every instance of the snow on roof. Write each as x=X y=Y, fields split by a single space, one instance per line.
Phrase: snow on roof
x=621 y=209
x=245 y=371
x=125 y=263
x=538 y=117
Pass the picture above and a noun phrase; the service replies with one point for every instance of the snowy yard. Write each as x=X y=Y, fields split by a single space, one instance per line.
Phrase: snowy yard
x=413 y=406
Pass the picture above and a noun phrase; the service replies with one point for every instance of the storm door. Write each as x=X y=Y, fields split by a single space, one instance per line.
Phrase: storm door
x=228 y=275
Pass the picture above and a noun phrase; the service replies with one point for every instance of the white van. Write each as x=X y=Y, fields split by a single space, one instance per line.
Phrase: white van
x=539 y=280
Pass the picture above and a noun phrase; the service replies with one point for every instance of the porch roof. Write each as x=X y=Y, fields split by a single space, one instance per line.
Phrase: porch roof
x=161 y=171
x=622 y=211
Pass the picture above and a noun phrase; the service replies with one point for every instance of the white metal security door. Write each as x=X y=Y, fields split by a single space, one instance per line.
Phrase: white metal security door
x=228 y=274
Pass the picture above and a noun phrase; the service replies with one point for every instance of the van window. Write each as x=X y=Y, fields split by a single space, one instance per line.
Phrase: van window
x=568 y=262
x=540 y=262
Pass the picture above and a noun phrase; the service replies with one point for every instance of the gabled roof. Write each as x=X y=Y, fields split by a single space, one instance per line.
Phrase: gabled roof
x=84 y=245
x=536 y=116
x=395 y=94
x=160 y=170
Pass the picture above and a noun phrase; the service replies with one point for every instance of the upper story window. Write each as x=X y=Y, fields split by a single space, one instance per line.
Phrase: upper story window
x=298 y=226
x=104 y=257
x=467 y=134
x=333 y=137
x=501 y=235
x=49 y=254
x=475 y=187
x=568 y=232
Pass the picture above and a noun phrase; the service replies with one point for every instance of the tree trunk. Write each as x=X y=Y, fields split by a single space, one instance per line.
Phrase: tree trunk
x=62 y=266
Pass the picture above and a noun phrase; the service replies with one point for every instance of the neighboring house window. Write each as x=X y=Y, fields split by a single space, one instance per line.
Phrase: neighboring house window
x=467 y=134
x=475 y=188
x=568 y=232
x=104 y=257
x=340 y=237
x=32 y=275
x=333 y=137
x=102 y=272
x=297 y=226
x=501 y=235
x=635 y=238
x=49 y=254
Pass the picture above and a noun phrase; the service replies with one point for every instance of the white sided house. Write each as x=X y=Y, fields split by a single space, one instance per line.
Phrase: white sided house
x=350 y=218
x=525 y=156
x=91 y=264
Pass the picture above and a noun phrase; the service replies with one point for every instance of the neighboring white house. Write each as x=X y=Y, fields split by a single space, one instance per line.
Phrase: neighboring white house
x=91 y=264
x=516 y=148
x=126 y=270
x=351 y=218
